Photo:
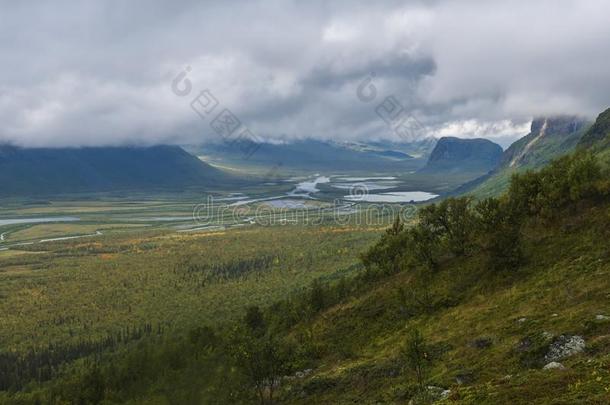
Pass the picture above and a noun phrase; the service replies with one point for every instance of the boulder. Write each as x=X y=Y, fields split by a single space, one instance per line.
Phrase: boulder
x=438 y=393
x=432 y=393
x=304 y=373
x=565 y=346
x=554 y=366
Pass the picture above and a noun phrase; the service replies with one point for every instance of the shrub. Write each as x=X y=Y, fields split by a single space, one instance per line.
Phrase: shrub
x=415 y=355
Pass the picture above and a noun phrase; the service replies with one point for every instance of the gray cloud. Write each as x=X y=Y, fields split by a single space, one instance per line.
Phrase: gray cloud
x=100 y=73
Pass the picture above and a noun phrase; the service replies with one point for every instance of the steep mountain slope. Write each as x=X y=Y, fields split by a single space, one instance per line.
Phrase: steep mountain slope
x=40 y=172
x=549 y=138
x=597 y=139
x=487 y=338
x=599 y=133
x=535 y=330
x=453 y=155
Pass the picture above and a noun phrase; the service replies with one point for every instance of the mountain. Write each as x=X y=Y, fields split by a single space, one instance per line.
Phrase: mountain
x=416 y=148
x=452 y=155
x=599 y=132
x=314 y=155
x=48 y=171
x=549 y=138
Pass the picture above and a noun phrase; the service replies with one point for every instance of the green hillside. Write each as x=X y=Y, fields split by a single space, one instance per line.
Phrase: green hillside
x=597 y=135
x=549 y=138
x=490 y=304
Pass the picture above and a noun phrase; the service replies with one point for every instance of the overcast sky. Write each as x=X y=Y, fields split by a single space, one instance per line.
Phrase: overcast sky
x=100 y=72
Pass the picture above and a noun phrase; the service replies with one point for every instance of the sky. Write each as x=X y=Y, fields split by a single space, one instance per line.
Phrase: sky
x=90 y=73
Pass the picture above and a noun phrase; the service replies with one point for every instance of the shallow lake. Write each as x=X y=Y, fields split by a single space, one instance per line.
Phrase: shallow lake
x=309 y=186
x=395 y=197
x=40 y=220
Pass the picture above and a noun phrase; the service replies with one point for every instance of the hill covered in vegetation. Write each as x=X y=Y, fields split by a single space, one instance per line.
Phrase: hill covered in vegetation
x=451 y=155
x=599 y=133
x=48 y=171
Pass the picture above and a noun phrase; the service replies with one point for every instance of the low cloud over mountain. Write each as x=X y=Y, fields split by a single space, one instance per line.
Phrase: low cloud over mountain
x=100 y=73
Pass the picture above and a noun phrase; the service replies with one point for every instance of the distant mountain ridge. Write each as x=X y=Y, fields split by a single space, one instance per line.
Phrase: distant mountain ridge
x=549 y=138
x=316 y=155
x=48 y=171
x=453 y=155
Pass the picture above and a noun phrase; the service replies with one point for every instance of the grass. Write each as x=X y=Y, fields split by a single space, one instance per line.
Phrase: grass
x=560 y=290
